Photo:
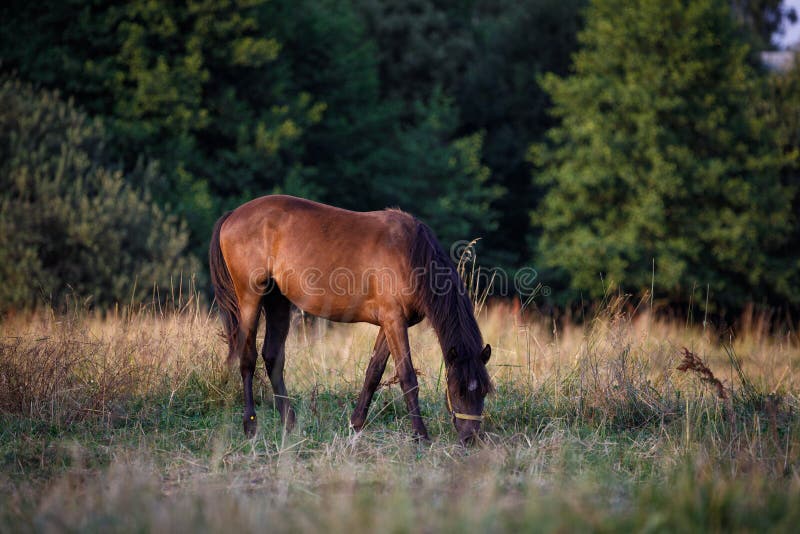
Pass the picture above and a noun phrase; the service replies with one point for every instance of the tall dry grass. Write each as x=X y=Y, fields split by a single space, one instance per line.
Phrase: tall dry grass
x=131 y=421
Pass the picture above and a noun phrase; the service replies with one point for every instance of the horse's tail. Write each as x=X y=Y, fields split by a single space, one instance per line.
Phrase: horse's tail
x=224 y=292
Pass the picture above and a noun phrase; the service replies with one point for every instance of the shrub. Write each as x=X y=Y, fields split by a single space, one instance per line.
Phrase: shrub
x=70 y=223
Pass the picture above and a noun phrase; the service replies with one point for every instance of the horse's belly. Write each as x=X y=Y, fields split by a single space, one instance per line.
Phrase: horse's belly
x=344 y=292
x=336 y=306
x=343 y=312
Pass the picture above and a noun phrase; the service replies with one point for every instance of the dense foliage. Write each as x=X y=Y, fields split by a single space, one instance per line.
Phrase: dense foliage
x=666 y=140
x=68 y=221
x=663 y=171
x=240 y=99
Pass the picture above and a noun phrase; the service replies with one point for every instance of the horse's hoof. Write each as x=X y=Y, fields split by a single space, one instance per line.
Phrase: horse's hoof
x=250 y=425
x=356 y=423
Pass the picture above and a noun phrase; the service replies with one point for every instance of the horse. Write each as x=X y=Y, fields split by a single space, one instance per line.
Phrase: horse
x=381 y=267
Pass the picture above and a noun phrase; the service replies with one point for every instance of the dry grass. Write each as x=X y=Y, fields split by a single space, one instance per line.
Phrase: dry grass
x=132 y=422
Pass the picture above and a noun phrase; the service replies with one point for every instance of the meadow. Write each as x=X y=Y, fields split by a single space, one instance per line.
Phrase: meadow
x=131 y=421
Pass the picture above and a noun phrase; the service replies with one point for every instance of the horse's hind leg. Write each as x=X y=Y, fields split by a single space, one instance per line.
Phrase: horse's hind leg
x=277 y=309
x=250 y=309
x=377 y=364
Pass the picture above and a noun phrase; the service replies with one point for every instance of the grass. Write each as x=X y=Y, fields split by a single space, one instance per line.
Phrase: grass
x=132 y=422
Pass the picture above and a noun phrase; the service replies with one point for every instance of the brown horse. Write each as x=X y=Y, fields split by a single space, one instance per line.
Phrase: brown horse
x=380 y=267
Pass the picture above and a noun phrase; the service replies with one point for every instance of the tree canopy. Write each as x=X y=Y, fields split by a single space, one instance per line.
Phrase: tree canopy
x=70 y=224
x=657 y=137
x=661 y=161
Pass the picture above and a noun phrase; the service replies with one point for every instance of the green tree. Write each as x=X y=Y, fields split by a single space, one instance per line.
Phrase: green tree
x=423 y=45
x=777 y=109
x=239 y=99
x=442 y=181
x=659 y=158
x=329 y=55
x=516 y=42
x=70 y=224
x=194 y=85
x=486 y=58
x=373 y=148
x=762 y=19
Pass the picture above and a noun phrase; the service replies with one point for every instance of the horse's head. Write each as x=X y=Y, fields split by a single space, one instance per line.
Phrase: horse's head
x=468 y=384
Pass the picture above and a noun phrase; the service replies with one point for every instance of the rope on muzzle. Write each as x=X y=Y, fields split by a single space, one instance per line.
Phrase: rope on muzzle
x=458 y=415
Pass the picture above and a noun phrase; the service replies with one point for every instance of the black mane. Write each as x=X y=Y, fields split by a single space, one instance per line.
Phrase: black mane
x=443 y=299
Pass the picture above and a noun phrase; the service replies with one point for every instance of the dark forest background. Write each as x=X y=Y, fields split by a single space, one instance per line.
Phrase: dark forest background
x=609 y=144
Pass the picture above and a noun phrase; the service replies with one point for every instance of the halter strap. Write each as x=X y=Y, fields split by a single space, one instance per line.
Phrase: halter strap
x=457 y=415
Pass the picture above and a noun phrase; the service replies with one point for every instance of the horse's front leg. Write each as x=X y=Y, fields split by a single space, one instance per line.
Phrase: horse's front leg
x=377 y=364
x=397 y=335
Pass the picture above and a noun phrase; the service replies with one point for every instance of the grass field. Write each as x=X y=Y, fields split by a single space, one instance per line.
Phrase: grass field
x=131 y=422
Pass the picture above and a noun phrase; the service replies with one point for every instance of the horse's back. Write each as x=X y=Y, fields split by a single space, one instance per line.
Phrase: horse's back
x=290 y=224
x=329 y=261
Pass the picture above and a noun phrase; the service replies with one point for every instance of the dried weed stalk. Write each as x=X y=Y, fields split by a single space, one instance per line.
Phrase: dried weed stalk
x=691 y=362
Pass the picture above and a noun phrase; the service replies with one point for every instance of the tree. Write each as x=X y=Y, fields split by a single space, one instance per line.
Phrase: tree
x=240 y=99
x=193 y=85
x=486 y=58
x=443 y=182
x=69 y=224
x=762 y=19
x=777 y=111
x=659 y=158
x=423 y=45
x=516 y=43
x=329 y=55
x=373 y=148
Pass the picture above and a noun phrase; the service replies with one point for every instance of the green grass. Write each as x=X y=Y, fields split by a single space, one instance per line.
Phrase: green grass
x=134 y=424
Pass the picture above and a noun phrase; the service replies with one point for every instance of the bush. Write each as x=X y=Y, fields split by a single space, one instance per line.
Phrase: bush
x=70 y=223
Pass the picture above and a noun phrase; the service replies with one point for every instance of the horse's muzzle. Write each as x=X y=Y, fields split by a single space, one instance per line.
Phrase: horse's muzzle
x=468 y=432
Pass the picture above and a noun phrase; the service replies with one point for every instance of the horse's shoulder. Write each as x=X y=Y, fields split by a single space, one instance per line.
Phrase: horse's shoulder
x=397 y=221
x=398 y=217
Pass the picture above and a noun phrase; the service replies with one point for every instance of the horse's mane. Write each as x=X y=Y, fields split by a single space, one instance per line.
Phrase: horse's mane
x=444 y=300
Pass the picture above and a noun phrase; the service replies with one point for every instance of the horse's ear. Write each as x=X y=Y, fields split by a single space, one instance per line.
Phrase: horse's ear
x=486 y=353
x=452 y=355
